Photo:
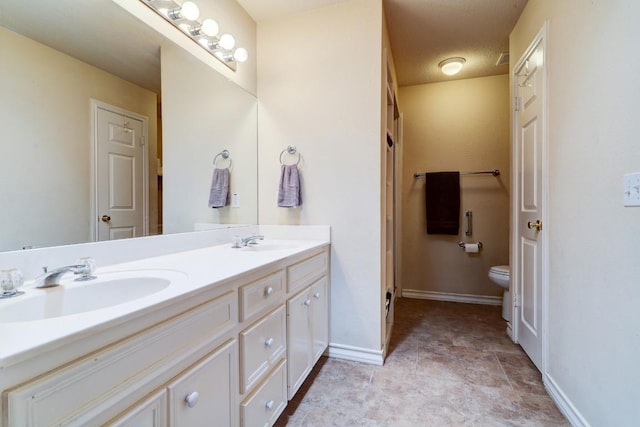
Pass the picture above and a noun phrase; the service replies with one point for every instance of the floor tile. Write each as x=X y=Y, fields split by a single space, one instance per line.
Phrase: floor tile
x=449 y=364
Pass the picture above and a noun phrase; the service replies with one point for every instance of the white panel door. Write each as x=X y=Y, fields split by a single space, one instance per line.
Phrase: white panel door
x=119 y=175
x=530 y=180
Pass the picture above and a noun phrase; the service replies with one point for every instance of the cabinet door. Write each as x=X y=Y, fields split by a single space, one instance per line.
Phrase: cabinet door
x=319 y=318
x=207 y=392
x=151 y=412
x=298 y=341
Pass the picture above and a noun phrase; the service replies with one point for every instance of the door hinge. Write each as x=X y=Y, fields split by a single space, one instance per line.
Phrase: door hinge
x=142 y=141
x=516 y=103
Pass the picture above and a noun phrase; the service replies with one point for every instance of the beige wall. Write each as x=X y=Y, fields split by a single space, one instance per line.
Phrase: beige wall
x=460 y=125
x=203 y=114
x=319 y=88
x=594 y=268
x=45 y=119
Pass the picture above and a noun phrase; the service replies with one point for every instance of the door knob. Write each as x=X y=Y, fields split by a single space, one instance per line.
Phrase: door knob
x=105 y=218
x=537 y=225
x=192 y=399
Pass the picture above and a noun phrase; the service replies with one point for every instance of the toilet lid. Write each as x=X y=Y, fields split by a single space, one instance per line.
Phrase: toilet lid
x=500 y=269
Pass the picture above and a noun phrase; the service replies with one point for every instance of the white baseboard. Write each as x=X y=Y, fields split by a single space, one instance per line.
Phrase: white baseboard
x=450 y=297
x=564 y=404
x=355 y=354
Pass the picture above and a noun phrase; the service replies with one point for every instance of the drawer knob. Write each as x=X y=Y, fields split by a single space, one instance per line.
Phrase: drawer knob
x=316 y=295
x=268 y=291
x=269 y=342
x=192 y=399
x=269 y=405
x=307 y=302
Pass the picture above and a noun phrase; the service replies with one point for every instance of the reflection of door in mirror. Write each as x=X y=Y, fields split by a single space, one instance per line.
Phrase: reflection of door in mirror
x=120 y=173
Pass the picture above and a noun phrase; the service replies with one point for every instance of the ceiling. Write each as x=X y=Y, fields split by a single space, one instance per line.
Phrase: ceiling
x=425 y=32
x=422 y=33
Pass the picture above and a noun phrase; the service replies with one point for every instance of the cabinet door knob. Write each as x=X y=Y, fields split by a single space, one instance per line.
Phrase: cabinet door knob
x=269 y=405
x=316 y=295
x=268 y=291
x=192 y=399
x=269 y=342
x=307 y=302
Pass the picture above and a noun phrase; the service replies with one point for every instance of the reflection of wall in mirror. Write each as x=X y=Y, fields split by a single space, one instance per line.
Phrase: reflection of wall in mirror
x=46 y=142
x=203 y=114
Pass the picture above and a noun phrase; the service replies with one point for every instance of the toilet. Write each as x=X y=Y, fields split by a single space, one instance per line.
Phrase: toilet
x=499 y=274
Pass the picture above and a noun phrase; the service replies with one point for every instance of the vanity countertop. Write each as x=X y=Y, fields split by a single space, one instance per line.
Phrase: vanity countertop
x=195 y=270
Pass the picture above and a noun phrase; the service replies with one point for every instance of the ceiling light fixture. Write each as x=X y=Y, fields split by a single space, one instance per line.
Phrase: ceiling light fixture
x=452 y=66
x=185 y=18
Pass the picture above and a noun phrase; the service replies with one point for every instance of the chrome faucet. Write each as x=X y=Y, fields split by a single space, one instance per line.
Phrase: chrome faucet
x=251 y=240
x=52 y=277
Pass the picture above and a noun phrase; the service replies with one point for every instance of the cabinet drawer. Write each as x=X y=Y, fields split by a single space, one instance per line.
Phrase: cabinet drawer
x=305 y=272
x=102 y=384
x=264 y=406
x=261 y=294
x=152 y=412
x=261 y=347
x=206 y=394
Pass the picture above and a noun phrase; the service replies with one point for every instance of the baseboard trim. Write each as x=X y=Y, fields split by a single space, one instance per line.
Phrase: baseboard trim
x=356 y=354
x=451 y=297
x=564 y=404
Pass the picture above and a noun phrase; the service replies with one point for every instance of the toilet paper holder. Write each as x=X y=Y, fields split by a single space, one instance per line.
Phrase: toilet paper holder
x=462 y=245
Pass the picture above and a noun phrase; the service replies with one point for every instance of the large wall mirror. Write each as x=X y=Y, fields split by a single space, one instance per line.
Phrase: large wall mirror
x=57 y=60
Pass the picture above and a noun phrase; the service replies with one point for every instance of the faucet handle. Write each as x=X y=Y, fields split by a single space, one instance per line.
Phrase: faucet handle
x=10 y=281
x=87 y=265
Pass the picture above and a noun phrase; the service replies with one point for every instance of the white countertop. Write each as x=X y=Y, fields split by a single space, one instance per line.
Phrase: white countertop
x=197 y=269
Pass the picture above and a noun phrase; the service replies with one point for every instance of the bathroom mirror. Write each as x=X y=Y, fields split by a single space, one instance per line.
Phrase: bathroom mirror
x=59 y=56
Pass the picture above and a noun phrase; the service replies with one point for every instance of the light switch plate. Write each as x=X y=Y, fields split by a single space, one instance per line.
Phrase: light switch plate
x=235 y=200
x=632 y=189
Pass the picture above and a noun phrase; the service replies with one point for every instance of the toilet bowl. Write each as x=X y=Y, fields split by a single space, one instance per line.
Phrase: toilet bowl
x=499 y=274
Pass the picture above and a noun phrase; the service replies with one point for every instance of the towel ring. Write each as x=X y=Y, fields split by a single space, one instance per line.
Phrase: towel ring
x=290 y=150
x=225 y=155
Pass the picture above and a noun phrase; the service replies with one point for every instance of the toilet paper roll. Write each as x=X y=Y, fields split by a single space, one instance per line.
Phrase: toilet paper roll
x=471 y=248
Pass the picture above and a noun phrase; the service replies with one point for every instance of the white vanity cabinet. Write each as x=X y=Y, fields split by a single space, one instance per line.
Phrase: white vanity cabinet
x=307 y=319
x=229 y=354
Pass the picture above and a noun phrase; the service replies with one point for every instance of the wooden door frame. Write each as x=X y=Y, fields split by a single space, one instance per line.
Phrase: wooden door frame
x=540 y=39
x=94 y=223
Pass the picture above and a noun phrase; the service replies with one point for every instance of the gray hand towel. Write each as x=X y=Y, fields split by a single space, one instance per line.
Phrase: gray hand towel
x=219 y=193
x=289 y=195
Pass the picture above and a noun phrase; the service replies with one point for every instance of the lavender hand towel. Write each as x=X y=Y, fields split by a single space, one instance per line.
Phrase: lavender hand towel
x=219 y=193
x=289 y=195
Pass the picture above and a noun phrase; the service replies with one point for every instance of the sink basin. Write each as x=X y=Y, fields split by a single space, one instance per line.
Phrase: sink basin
x=71 y=297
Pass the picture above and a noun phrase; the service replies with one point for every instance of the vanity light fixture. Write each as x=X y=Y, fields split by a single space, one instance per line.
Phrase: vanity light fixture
x=452 y=66
x=185 y=17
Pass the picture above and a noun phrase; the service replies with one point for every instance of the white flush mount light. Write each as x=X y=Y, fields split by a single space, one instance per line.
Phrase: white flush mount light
x=184 y=16
x=452 y=66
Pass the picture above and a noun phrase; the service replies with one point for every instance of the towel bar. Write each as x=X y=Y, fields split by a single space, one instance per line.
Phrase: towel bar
x=494 y=172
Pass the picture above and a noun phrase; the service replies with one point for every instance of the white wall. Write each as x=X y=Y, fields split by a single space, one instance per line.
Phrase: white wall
x=203 y=114
x=319 y=86
x=594 y=274
x=45 y=118
x=459 y=125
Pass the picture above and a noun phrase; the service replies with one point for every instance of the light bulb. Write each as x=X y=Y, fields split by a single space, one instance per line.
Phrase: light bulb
x=241 y=54
x=209 y=27
x=227 y=41
x=451 y=66
x=190 y=11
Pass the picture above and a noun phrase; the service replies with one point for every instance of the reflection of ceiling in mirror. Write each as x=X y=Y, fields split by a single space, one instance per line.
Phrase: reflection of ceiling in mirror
x=85 y=30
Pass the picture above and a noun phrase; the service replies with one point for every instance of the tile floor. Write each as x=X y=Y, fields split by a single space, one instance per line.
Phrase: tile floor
x=449 y=364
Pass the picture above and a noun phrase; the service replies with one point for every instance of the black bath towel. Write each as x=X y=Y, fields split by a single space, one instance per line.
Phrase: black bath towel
x=443 y=202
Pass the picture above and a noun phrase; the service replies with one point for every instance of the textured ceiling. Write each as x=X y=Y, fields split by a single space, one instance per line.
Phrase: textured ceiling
x=425 y=32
